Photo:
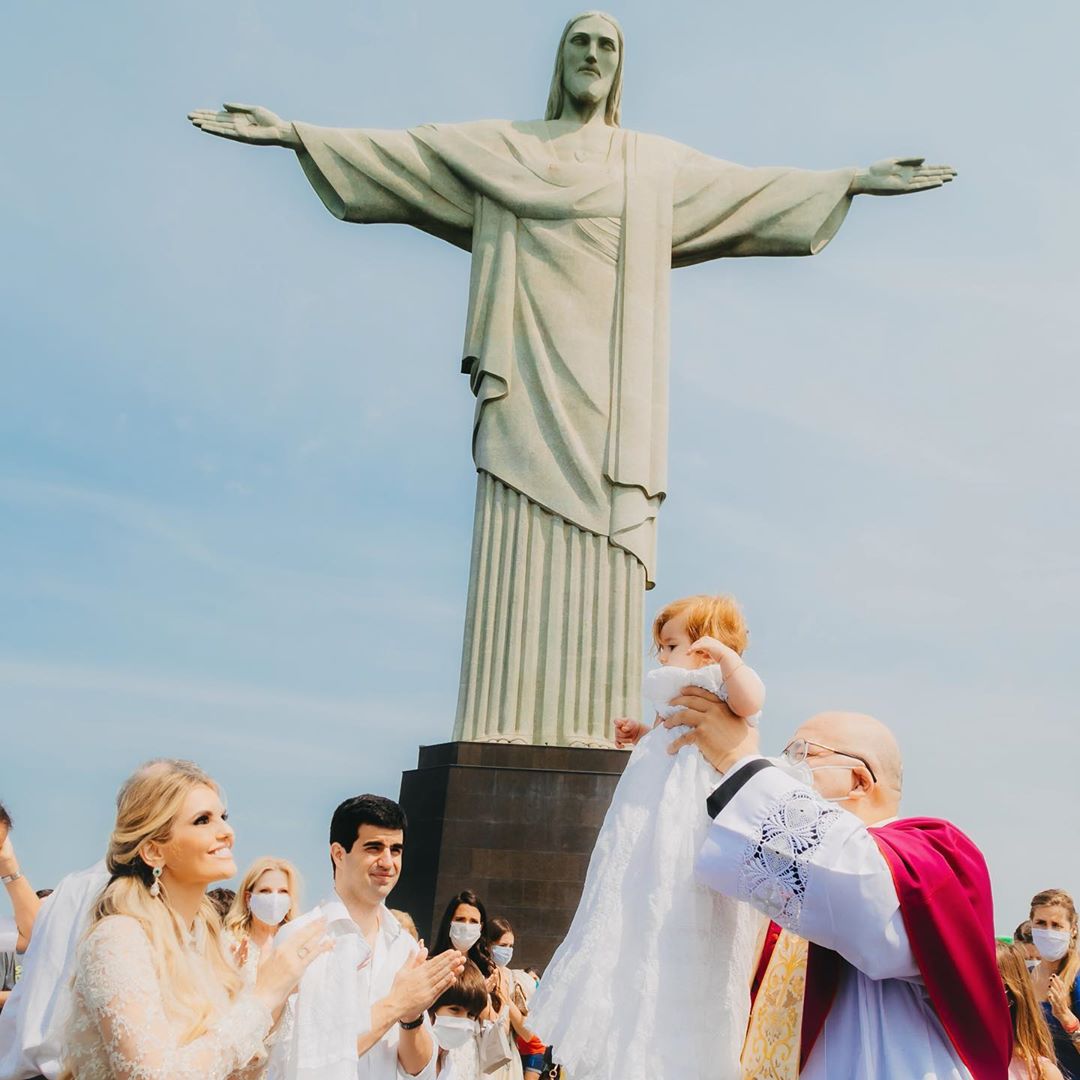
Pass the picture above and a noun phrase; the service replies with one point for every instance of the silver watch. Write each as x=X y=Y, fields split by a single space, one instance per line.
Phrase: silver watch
x=7 y=879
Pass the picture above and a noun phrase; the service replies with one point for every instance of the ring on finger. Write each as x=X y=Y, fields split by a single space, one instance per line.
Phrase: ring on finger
x=302 y=951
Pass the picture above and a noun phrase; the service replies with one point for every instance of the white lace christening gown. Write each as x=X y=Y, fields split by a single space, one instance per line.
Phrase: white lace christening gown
x=652 y=982
x=119 y=1028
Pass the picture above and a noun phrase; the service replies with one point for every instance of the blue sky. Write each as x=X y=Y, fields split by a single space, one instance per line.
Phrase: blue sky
x=235 y=487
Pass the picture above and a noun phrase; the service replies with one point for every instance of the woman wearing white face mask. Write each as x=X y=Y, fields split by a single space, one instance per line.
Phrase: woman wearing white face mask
x=516 y=987
x=463 y=924
x=267 y=899
x=464 y=927
x=1054 y=934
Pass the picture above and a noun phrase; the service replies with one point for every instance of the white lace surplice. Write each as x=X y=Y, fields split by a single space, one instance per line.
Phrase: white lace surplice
x=119 y=1028
x=817 y=871
x=653 y=977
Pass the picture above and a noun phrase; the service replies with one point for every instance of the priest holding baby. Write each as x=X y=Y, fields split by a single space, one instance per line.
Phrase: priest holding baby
x=879 y=960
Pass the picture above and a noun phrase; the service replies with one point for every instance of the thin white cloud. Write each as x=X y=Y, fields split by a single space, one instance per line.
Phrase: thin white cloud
x=135 y=515
x=78 y=678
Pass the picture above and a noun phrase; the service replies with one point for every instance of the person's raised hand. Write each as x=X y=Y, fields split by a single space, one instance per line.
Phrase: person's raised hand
x=900 y=176
x=721 y=737
x=282 y=969
x=421 y=980
x=628 y=732
x=247 y=124
x=9 y=862
x=1058 y=996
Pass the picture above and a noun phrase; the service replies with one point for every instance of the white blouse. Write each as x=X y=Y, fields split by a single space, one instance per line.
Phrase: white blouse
x=119 y=1028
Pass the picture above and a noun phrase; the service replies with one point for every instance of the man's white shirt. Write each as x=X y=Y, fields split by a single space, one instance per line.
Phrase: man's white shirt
x=332 y=1006
x=32 y=1022
x=816 y=870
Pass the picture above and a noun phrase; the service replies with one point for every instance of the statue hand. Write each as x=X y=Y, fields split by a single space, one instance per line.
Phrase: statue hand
x=900 y=176
x=246 y=124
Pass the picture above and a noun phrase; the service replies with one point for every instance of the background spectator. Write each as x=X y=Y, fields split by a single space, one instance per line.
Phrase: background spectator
x=268 y=898
x=463 y=924
x=408 y=924
x=517 y=987
x=222 y=899
x=31 y=1025
x=1033 y=1050
x=1053 y=930
x=24 y=901
x=1022 y=936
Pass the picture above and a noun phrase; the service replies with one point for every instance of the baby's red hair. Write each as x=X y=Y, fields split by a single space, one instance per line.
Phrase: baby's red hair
x=719 y=617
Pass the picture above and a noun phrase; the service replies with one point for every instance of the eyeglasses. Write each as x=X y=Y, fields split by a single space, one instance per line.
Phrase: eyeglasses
x=798 y=750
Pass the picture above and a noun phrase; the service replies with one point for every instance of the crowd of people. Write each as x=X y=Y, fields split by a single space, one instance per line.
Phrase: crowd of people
x=135 y=969
x=141 y=966
x=742 y=917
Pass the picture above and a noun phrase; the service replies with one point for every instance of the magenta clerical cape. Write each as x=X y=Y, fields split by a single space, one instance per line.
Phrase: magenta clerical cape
x=944 y=892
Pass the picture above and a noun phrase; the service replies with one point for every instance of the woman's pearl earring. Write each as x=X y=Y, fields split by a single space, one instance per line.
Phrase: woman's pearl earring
x=155 y=888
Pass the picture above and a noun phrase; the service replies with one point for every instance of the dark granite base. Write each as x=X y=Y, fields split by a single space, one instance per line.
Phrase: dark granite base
x=516 y=824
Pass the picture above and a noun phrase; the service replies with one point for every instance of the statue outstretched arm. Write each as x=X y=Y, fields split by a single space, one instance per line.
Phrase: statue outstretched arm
x=900 y=176
x=247 y=124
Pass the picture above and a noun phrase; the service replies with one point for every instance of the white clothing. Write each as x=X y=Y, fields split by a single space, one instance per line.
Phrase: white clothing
x=512 y=1070
x=816 y=870
x=31 y=1024
x=664 y=683
x=462 y=1063
x=332 y=1006
x=653 y=978
x=120 y=1027
x=245 y=954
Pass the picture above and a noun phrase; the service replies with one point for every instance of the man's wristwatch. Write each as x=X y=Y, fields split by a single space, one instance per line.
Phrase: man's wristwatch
x=9 y=879
x=411 y=1025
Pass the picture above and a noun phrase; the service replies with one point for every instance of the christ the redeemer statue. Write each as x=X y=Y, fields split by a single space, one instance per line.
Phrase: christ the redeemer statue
x=573 y=223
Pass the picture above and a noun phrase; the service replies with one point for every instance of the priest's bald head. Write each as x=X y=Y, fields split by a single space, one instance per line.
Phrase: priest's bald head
x=855 y=761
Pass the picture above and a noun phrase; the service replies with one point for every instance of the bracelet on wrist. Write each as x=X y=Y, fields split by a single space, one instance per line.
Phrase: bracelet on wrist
x=1071 y=1029
x=10 y=879
x=411 y=1025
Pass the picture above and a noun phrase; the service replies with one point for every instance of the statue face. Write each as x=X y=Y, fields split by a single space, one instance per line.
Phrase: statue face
x=590 y=58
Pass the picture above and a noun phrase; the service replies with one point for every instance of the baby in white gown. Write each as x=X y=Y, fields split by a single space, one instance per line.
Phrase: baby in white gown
x=653 y=978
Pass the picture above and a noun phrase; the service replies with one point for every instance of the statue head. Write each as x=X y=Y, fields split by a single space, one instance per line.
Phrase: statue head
x=589 y=65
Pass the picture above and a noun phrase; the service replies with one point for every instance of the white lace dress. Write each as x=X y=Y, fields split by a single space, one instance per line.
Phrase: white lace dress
x=652 y=980
x=119 y=1028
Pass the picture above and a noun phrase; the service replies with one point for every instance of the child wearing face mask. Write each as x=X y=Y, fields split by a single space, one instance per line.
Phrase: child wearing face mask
x=653 y=976
x=455 y=1019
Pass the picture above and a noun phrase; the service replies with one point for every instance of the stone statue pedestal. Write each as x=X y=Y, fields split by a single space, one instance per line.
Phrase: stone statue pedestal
x=515 y=823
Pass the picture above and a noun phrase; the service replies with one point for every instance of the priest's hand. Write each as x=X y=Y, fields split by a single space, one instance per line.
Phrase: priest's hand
x=722 y=737
x=247 y=124
x=900 y=176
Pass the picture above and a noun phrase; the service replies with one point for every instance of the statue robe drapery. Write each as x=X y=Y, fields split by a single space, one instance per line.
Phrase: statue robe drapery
x=566 y=348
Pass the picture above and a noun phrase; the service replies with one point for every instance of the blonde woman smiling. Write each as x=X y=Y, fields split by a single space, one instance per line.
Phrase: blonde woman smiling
x=267 y=899
x=154 y=993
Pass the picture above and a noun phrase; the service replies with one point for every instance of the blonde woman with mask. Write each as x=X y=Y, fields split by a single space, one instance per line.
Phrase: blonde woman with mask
x=1054 y=929
x=155 y=996
x=268 y=898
